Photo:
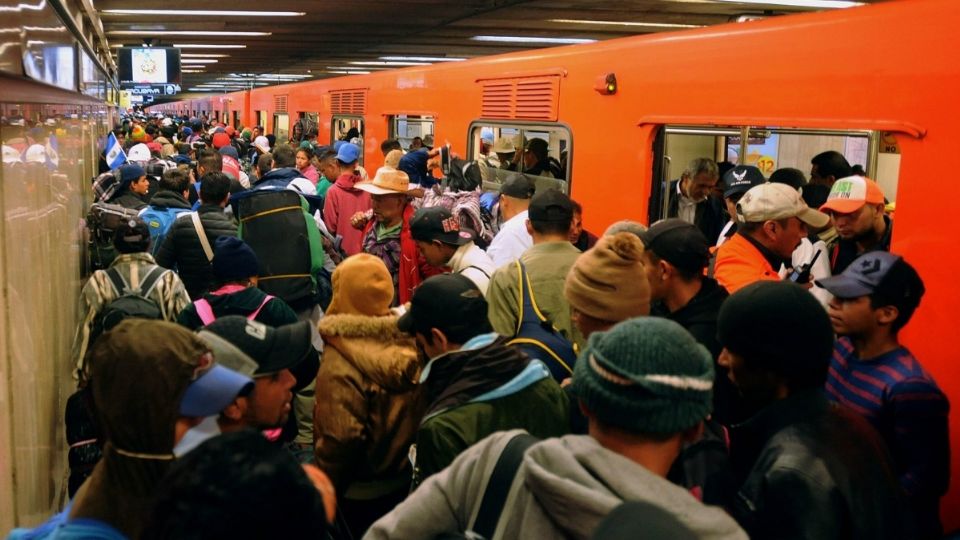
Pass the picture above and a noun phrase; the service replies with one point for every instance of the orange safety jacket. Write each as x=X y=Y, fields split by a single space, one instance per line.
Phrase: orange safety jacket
x=740 y=263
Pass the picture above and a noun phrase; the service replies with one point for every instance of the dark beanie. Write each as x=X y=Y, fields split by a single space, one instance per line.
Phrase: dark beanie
x=778 y=326
x=645 y=375
x=130 y=172
x=132 y=236
x=233 y=260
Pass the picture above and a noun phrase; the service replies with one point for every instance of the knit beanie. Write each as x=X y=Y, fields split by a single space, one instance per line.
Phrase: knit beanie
x=246 y=134
x=234 y=260
x=645 y=375
x=138 y=134
x=361 y=286
x=608 y=282
x=129 y=173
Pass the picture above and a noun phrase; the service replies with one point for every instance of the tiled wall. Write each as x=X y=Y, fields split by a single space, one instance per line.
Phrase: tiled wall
x=42 y=264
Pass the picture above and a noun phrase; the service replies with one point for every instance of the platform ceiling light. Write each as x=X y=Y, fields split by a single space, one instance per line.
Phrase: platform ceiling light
x=533 y=40
x=422 y=58
x=625 y=23
x=205 y=46
x=356 y=68
x=343 y=72
x=822 y=4
x=192 y=71
x=203 y=13
x=185 y=33
x=199 y=61
x=203 y=55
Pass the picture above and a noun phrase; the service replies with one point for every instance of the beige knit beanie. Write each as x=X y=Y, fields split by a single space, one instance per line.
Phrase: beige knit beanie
x=608 y=282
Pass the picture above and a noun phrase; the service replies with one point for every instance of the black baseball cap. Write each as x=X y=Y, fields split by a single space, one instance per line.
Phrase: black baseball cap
x=518 y=186
x=132 y=236
x=438 y=223
x=740 y=179
x=273 y=349
x=447 y=302
x=679 y=243
x=550 y=205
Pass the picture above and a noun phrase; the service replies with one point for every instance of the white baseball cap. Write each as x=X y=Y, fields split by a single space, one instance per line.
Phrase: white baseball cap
x=777 y=201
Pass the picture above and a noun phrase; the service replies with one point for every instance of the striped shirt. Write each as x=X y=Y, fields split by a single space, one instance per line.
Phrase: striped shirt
x=904 y=403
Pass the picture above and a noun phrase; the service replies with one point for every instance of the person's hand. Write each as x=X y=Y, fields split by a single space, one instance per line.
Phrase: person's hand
x=359 y=220
x=323 y=484
x=566 y=382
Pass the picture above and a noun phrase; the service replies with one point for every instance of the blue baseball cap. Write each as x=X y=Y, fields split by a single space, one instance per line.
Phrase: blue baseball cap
x=181 y=159
x=348 y=153
x=213 y=391
x=131 y=172
x=876 y=272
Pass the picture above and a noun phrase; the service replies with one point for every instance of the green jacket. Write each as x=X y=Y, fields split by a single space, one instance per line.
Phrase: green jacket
x=547 y=266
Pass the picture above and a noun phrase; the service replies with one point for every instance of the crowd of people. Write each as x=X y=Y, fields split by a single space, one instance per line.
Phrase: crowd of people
x=279 y=344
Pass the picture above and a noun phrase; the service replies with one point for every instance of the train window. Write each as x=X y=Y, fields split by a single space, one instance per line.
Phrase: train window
x=236 y=119
x=262 y=121
x=347 y=128
x=769 y=149
x=542 y=151
x=281 y=127
x=405 y=128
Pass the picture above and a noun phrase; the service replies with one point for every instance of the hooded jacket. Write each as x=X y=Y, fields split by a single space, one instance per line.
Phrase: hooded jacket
x=278 y=178
x=563 y=489
x=342 y=201
x=182 y=250
x=368 y=404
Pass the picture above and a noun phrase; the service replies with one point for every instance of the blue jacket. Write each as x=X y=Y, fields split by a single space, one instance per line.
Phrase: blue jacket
x=278 y=178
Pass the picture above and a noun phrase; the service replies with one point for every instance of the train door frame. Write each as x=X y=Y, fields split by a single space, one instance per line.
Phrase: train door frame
x=474 y=133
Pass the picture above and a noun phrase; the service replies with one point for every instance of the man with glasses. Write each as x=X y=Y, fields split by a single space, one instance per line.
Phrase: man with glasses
x=856 y=210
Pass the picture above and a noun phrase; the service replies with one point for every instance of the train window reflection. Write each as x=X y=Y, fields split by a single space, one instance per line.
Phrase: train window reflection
x=408 y=128
x=541 y=151
x=348 y=128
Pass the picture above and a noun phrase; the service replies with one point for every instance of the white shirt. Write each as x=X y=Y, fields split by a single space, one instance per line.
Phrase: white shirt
x=512 y=240
x=686 y=207
x=473 y=263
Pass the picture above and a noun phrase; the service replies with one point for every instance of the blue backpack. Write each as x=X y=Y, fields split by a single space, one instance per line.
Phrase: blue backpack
x=537 y=336
x=159 y=220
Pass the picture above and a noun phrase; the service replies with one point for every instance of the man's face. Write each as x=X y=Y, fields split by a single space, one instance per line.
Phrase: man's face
x=428 y=350
x=256 y=133
x=140 y=186
x=815 y=177
x=529 y=159
x=654 y=274
x=852 y=316
x=576 y=226
x=757 y=387
x=433 y=253
x=330 y=169
x=788 y=237
x=388 y=208
x=699 y=187
x=854 y=225
x=269 y=403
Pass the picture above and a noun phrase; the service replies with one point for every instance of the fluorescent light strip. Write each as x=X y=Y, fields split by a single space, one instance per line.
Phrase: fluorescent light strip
x=203 y=13
x=821 y=4
x=537 y=40
x=199 y=61
x=342 y=72
x=382 y=63
x=422 y=58
x=184 y=33
x=625 y=23
x=356 y=68
x=204 y=46
x=192 y=71
x=203 y=55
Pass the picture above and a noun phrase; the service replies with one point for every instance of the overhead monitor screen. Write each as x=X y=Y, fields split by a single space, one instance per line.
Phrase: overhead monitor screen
x=153 y=65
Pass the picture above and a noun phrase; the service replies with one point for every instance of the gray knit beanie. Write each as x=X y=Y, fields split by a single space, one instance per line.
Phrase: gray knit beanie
x=645 y=375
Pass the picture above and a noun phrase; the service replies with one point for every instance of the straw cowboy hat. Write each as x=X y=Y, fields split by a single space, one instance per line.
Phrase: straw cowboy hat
x=386 y=182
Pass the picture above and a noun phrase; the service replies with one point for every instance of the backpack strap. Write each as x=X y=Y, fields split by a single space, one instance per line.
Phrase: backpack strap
x=202 y=235
x=253 y=315
x=498 y=487
x=529 y=312
x=477 y=268
x=149 y=281
x=117 y=280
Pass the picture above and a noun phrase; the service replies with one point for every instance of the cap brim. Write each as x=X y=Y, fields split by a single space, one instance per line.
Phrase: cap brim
x=405 y=322
x=844 y=286
x=213 y=391
x=814 y=218
x=843 y=206
x=291 y=344
x=262 y=149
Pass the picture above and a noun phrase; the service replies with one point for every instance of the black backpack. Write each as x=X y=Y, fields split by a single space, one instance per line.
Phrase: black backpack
x=129 y=303
x=102 y=222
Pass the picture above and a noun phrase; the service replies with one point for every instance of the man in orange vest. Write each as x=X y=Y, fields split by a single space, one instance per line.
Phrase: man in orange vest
x=771 y=221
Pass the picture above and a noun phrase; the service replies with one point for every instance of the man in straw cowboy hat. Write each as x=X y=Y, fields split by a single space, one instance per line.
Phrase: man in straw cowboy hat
x=387 y=233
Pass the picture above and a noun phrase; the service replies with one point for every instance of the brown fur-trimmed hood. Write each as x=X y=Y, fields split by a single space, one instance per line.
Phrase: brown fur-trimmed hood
x=375 y=347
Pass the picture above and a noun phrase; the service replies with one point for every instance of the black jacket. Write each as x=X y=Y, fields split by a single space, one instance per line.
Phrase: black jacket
x=811 y=469
x=129 y=199
x=710 y=216
x=699 y=317
x=169 y=199
x=182 y=250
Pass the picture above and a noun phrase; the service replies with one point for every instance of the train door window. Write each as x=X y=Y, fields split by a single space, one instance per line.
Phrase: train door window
x=262 y=121
x=543 y=151
x=405 y=128
x=281 y=127
x=347 y=128
x=769 y=149
x=306 y=126
x=236 y=119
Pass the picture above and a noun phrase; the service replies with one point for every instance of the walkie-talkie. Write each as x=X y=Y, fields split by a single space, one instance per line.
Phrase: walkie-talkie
x=801 y=274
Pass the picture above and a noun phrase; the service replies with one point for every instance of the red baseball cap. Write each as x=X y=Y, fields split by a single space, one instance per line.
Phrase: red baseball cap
x=220 y=140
